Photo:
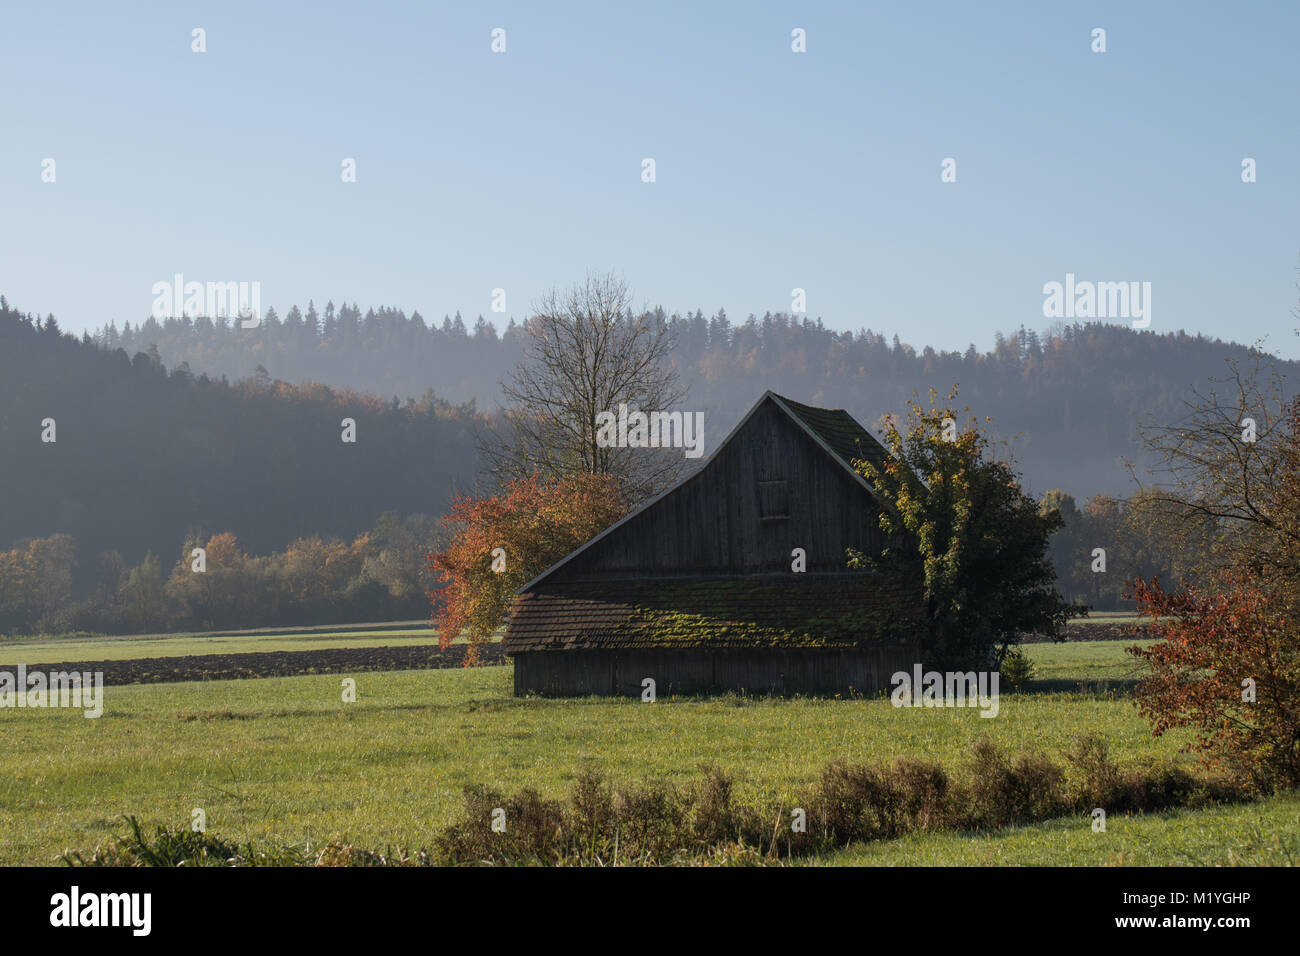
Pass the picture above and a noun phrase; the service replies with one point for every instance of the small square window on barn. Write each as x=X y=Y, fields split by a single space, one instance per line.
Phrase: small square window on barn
x=773 y=500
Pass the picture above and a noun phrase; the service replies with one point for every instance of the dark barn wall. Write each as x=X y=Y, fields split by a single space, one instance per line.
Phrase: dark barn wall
x=619 y=673
x=711 y=524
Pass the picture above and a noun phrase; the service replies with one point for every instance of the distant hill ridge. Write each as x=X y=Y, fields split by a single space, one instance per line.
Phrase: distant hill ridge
x=1068 y=399
x=145 y=455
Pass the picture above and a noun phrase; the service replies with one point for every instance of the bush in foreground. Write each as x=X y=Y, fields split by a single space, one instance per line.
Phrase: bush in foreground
x=706 y=823
x=1227 y=666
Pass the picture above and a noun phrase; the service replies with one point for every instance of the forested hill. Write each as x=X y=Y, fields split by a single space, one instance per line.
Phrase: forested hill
x=1069 y=400
x=150 y=449
x=142 y=455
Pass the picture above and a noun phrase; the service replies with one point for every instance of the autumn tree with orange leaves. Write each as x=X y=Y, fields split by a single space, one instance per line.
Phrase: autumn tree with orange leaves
x=1227 y=664
x=501 y=542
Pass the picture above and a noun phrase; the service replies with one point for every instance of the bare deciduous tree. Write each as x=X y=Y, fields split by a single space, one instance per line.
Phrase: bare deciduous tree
x=585 y=353
x=1223 y=470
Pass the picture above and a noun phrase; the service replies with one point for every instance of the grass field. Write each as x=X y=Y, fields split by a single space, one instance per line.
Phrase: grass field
x=1108 y=617
x=286 y=760
x=53 y=650
x=1260 y=834
x=1101 y=663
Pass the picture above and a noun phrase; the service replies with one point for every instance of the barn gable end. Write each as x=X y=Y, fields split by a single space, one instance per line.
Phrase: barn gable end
x=774 y=484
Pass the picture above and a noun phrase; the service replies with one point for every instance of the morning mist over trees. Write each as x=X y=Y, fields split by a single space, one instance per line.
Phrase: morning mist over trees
x=1068 y=398
x=240 y=432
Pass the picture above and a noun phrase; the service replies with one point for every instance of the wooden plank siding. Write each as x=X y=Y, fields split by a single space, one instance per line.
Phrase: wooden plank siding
x=711 y=525
x=818 y=671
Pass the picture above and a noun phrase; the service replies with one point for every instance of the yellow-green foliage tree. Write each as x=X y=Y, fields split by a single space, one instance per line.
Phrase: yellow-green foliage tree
x=35 y=581
x=222 y=594
x=959 y=522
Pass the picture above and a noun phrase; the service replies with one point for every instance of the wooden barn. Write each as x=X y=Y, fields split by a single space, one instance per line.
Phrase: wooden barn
x=697 y=590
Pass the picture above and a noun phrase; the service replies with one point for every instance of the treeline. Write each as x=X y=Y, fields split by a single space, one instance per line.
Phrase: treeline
x=382 y=574
x=123 y=455
x=1067 y=399
x=108 y=452
x=379 y=575
x=383 y=352
x=1105 y=543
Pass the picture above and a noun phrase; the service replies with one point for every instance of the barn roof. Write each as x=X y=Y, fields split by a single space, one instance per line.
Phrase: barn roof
x=835 y=431
x=819 y=611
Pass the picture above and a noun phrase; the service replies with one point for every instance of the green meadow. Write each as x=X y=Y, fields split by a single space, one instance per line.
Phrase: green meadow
x=1259 y=834
x=286 y=760
x=31 y=651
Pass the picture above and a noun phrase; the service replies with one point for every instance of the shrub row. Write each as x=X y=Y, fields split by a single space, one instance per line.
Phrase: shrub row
x=661 y=823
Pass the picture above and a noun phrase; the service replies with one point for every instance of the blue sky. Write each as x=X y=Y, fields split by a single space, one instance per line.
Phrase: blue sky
x=775 y=170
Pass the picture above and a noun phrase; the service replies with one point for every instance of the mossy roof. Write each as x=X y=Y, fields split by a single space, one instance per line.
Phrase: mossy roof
x=843 y=610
